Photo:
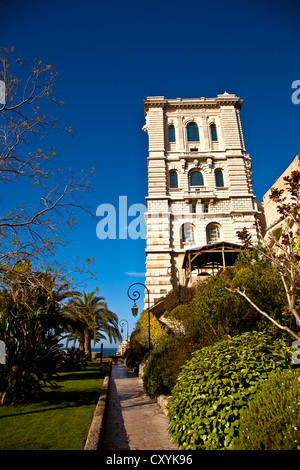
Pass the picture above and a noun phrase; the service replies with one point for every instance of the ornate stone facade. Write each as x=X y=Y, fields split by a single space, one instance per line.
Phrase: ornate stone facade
x=199 y=182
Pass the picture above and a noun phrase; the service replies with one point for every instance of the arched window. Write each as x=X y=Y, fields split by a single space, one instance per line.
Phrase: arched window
x=187 y=232
x=213 y=133
x=192 y=132
x=196 y=179
x=213 y=233
x=171 y=130
x=219 y=178
x=173 y=179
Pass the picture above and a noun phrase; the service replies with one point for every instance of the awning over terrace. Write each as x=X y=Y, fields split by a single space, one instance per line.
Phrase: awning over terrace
x=209 y=259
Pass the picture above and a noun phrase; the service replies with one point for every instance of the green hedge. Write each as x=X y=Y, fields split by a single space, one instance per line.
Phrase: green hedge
x=157 y=380
x=215 y=385
x=166 y=361
x=272 y=419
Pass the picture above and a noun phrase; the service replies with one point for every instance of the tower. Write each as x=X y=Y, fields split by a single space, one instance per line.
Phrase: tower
x=199 y=189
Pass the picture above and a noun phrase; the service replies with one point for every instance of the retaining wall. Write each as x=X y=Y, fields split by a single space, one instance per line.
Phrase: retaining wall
x=96 y=431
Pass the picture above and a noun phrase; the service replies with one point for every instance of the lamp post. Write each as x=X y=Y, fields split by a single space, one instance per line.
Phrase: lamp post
x=135 y=295
x=122 y=325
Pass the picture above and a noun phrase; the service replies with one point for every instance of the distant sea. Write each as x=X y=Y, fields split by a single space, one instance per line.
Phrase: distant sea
x=106 y=351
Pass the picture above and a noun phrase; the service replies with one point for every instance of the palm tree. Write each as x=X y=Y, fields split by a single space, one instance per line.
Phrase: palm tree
x=91 y=319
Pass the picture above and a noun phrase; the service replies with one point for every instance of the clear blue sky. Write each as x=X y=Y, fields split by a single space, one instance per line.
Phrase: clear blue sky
x=111 y=55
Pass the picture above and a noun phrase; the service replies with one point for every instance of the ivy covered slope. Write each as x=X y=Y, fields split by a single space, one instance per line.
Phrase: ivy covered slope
x=215 y=385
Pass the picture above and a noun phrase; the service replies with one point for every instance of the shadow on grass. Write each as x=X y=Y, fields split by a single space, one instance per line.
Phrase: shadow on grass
x=94 y=371
x=78 y=375
x=62 y=397
x=54 y=400
x=40 y=410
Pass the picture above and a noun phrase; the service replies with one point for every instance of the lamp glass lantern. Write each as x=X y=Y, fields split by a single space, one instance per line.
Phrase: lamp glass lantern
x=134 y=309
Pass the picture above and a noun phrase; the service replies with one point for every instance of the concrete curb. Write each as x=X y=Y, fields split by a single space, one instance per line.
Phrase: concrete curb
x=97 y=427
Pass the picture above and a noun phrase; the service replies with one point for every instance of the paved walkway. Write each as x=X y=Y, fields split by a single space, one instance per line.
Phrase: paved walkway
x=134 y=421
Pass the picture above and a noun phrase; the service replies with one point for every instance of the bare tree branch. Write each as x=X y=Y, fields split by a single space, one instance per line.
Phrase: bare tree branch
x=23 y=125
x=280 y=246
x=284 y=328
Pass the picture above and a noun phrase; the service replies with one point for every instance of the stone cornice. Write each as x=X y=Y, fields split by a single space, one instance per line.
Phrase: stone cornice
x=225 y=99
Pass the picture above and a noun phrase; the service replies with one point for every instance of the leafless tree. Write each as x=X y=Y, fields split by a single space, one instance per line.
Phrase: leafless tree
x=34 y=232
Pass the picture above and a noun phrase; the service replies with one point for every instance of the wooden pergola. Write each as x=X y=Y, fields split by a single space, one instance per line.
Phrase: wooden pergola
x=209 y=259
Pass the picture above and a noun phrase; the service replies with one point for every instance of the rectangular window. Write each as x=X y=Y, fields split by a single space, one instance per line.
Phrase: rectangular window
x=193 y=208
x=219 y=179
x=205 y=208
x=192 y=132
x=171 y=134
x=173 y=179
x=213 y=133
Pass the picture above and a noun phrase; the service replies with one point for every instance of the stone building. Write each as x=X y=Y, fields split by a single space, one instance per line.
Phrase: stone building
x=199 y=189
x=272 y=216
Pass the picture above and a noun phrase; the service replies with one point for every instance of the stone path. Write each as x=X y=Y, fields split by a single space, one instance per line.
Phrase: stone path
x=134 y=421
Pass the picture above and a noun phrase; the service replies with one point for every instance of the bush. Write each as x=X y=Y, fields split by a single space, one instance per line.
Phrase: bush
x=139 y=339
x=155 y=379
x=73 y=359
x=180 y=318
x=272 y=419
x=18 y=386
x=226 y=313
x=29 y=365
x=135 y=355
x=215 y=385
x=166 y=361
x=178 y=296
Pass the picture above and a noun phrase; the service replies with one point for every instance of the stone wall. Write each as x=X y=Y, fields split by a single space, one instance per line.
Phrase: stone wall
x=272 y=216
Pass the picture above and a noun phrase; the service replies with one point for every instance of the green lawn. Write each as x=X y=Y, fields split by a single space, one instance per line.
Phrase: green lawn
x=60 y=420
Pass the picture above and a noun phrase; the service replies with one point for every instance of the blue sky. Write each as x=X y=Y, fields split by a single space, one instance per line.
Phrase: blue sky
x=111 y=55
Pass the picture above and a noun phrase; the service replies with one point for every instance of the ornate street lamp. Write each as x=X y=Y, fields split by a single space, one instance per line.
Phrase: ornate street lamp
x=122 y=324
x=135 y=295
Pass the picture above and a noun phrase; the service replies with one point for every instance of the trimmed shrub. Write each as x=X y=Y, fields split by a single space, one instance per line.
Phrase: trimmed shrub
x=166 y=361
x=156 y=380
x=272 y=419
x=135 y=355
x=215 y=385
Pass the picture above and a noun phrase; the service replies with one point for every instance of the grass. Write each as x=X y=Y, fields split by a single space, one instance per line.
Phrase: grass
x=60 y=420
